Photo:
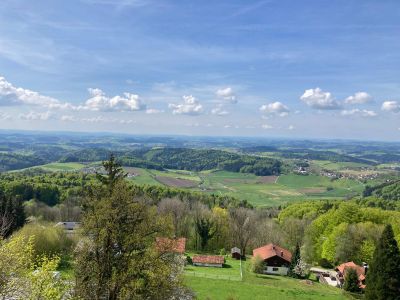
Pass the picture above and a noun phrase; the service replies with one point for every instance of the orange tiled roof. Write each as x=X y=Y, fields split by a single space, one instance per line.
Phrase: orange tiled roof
x=208 y=259
x=351 y=265
x=272 y=250
x=171 y=245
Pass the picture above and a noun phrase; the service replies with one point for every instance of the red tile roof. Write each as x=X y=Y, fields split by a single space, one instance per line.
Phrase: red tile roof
x=351 y=265
x=272 y=250
x=208 y=259
x=171 y=245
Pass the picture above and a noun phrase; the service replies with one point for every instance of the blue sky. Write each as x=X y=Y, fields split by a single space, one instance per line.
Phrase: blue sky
x=310 y=68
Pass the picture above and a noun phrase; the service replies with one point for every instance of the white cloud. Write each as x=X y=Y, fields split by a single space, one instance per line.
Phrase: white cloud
x=358 y=98
x=4 y=116
x=392 y=106
x=226 y=94
x=190 y=106
x=275 y=108
x=68 y=118
x=33 y=116
x=291 y=127
x=11 y=95
x=100 y=102
x=359 y=113
x=153 y=111
x=219 y=111
x=266 y=126
x=317 y=99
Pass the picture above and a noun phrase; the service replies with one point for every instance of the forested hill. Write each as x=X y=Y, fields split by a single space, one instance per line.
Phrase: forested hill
x=184 y=159
x=386 y=191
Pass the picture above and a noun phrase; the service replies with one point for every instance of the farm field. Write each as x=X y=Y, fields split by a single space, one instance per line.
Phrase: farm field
x=258 y=190
x=225 y=283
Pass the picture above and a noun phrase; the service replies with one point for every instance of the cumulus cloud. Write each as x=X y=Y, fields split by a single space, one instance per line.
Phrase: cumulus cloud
x=275 y=108
x=358 y=98
x=226 y=94
x=153 y=111
x=11 y=95
x=219 y=111
x=317 y=99
x=100 y=102
x=190 y=106
x=266 y=126
x=33 y=116
x=392 y=106
x=359 y=113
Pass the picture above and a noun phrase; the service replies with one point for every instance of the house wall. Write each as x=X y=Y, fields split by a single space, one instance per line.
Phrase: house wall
x=276 y=270
x=208 y=265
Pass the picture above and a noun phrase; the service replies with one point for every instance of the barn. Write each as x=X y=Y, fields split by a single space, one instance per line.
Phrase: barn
x=208 y=260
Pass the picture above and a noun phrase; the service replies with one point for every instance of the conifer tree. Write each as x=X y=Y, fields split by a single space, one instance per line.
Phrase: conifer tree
x=351 y=281
x=295 y=259
x=383 y=276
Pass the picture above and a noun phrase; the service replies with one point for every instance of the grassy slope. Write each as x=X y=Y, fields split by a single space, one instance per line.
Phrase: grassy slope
x=253 y=286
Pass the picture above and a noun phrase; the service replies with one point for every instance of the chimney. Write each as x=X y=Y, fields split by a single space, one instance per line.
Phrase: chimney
x=365 y=266
x=282 y=253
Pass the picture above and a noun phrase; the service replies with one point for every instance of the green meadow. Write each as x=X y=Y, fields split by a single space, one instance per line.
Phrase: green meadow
x=226 y=283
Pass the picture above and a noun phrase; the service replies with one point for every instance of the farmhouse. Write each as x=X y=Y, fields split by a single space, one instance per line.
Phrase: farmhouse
x=276 y=259
x=361 y=271
x=166 y=245
x=236 y=253
x=208 y=260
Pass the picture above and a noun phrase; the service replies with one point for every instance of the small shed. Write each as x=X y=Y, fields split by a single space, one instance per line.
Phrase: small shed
x=208 y=260
x=236 y=253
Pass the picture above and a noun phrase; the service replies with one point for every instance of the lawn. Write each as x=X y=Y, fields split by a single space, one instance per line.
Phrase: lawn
x=212 y=283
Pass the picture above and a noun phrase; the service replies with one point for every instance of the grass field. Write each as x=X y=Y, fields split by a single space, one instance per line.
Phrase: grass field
x=56 y=167
x=258 y=190
x=213 y=283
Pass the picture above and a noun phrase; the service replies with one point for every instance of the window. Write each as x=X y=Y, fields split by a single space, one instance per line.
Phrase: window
x=275 y=269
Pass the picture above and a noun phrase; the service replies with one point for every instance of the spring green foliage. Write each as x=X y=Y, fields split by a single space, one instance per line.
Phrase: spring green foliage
x=351 y=281
x=341 y=231
x=117 y=258
x=383 y=277
x=257 y=265
x=49 y=240
x=24 y=276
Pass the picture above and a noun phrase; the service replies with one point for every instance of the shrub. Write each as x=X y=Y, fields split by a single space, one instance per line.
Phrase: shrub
x=47 y=239
x=257 y=265
x=323 y=262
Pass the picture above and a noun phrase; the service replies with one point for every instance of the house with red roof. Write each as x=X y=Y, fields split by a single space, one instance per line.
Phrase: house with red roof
x=343 y=268
x=208 y=260
x=276 y=259
x=166 y=245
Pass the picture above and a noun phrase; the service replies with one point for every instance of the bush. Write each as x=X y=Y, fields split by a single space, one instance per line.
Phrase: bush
x=257 y=265
x=47 y=239
x=323 y=262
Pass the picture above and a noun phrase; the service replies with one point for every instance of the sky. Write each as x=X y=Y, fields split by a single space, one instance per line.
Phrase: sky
x=283 y=68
